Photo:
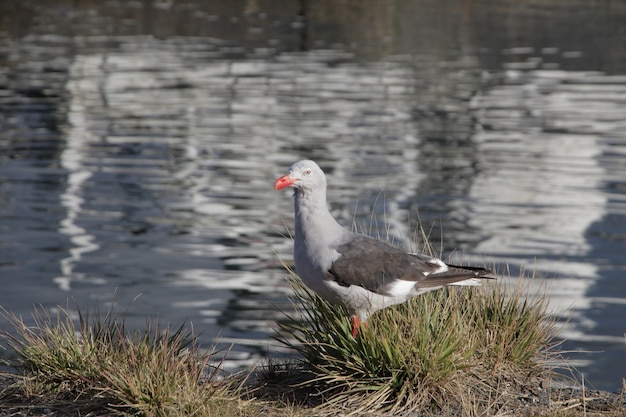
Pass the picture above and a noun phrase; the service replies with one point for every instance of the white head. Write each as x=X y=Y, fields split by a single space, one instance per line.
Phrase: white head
x=305 y=176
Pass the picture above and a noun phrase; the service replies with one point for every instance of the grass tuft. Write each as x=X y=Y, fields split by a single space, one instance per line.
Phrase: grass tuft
x=440 y=348
x=97 y=364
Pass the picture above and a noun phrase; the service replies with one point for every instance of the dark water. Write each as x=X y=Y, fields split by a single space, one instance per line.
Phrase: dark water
x=139 y=142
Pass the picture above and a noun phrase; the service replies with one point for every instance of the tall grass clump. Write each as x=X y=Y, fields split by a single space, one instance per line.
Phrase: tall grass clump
x=94 y=363
x=439 y=350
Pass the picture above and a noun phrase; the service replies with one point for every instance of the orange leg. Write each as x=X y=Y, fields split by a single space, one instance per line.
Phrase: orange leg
x=355 y=326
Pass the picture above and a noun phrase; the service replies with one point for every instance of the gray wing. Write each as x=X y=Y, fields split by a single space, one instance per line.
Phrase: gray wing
x=375 y=265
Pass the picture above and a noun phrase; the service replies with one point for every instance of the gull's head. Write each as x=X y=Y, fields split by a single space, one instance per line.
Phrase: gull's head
x=303 y=175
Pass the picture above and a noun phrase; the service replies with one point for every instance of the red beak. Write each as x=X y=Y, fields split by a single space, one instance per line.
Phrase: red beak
x=284 y=181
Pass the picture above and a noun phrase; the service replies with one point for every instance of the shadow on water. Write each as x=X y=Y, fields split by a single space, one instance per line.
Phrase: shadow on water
x=139 y=142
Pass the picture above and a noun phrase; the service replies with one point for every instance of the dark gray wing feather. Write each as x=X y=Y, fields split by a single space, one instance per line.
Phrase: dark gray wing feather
x=374 y=265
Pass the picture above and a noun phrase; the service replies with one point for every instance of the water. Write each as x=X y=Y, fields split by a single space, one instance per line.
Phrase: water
x=139 y=143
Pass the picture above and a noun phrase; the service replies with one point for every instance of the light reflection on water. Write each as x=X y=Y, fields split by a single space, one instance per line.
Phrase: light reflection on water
x=547 y=150
x=142 y=174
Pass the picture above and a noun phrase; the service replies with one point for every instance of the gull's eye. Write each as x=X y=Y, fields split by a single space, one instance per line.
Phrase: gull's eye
x=307 y=172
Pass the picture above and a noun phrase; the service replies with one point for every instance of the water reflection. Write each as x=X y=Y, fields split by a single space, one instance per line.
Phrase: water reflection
x=138 y=170
x=545 y=136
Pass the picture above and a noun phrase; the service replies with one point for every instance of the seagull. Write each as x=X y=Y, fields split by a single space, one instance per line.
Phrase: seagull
x=357 y=271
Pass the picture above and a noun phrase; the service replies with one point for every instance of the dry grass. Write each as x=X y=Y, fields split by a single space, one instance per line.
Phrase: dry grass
x=97 y=365
x=452 y=353
x=463 y=352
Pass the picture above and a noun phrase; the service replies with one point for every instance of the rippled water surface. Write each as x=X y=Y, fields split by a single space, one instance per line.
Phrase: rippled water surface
x=139 y=144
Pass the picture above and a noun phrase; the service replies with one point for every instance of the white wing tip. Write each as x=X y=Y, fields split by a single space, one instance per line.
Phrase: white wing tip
x=472 y=282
